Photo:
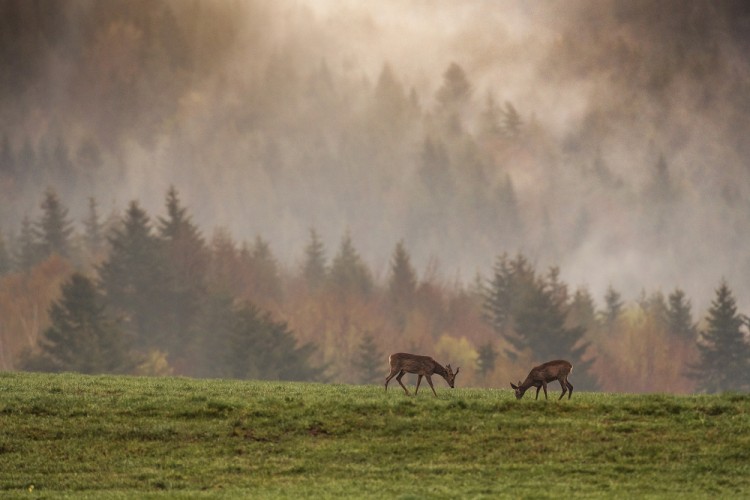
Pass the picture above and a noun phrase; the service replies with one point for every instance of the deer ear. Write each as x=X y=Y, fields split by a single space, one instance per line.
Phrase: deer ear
x=513 y=385
x=456 y=371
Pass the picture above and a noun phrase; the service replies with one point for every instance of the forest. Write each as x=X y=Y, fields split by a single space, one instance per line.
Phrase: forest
x=149 y=295
x=294 y=190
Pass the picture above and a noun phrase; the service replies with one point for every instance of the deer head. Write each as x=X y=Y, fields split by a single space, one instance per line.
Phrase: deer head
x=451 y=376
x=517 y=388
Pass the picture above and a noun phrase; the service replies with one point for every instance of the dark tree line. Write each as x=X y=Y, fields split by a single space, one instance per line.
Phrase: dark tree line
x=160 y=291
x=151 y=295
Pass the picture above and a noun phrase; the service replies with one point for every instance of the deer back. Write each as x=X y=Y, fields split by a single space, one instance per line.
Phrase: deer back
x=413 y=363
x=549 y=371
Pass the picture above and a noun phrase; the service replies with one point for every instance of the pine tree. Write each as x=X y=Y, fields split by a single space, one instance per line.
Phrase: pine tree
x=613 y=307
x=369 y=360
x=723 y=347
x=186 y=264
x=54 y=229
x=512 y=282
x=679 y=316
x=27 y=249
x=135 y=280
x=93 y=229
x=349 y=274
x=486 y=359
x=402 y=284
x=315 y=270
x=266 y=279
x=260 y=348
x=453 y=97
x=82 y=337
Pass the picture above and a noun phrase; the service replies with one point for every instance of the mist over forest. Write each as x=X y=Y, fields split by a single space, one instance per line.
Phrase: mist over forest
x=606 y=137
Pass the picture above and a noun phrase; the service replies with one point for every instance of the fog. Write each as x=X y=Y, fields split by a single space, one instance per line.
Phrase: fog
x=629 y=167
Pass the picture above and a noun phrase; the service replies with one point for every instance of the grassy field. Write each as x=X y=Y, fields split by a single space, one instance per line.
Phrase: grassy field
x=107 y=437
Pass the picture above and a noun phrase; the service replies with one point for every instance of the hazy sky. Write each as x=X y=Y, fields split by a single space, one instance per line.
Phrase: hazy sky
x=269 y=127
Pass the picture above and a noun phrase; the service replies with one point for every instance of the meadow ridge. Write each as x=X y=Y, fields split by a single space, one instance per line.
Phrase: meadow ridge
x=115 y=437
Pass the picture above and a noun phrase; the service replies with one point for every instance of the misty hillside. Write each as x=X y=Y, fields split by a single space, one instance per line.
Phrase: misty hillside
x=606 y=137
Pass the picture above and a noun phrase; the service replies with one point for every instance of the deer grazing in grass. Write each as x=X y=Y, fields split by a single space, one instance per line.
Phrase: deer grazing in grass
x=540 y=375
x=423 y=366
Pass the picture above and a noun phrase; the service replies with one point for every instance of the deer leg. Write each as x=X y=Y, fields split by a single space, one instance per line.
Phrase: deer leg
x=419 y=380
x=388 y=378
x=537 y=391
x=398 y=379
x=429 y=380
x=564 y=388
x=544 y=386
x=570 y=388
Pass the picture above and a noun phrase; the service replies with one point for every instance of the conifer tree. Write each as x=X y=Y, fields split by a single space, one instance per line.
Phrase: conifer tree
x=315 y=270
x=27 y=249
x=402 y=284
x=349 y=274
x=369 y=360
x=266 y=279
x=260 y=348
x=82 y=337
x=452 y=98
x=679 y=316
x=510 y=285
x=93 y=228
x=724 y=350
x=613 y=307
x=54 y=229
x=186 y=263
x=486 y=359
x=135 y=280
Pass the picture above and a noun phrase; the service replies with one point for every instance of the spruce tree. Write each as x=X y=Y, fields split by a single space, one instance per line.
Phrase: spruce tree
x=315 y=270
x=369 y=360
x=402 y=284
x=186 y=266
x=82 y=337
x=680 y=317
x=27 y=250
x=486 y=359
x=349 y=274
x=93 y=229
x=724 y=350
x=266 y=279
x=512 y=283
x=135 y=280
x=260 y=348
x=613 y=307
x=54 y=229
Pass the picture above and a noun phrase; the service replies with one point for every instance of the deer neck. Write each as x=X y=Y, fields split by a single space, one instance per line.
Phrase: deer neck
x=441 y=371
x=527 y=384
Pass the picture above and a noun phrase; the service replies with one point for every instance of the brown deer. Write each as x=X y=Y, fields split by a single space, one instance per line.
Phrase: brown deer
x=547 y=372
x=423 y=366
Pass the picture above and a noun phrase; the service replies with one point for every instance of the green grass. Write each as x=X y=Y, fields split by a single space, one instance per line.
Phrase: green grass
x=76 y=436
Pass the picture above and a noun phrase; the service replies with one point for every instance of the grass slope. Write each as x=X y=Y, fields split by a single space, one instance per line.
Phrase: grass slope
x=79 y=436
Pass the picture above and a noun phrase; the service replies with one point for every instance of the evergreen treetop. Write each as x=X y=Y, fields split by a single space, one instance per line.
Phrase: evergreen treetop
x=723 y=347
